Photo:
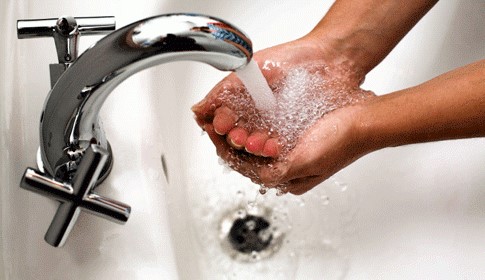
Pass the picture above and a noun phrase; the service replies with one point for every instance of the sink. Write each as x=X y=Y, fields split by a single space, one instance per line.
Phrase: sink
x=399 y=213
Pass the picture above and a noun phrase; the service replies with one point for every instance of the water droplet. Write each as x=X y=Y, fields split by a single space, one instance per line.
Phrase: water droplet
x=301 y=202
x=226 y=169
x=280 y=192
x=252 y=206
x=241 y=214
x=255 y=256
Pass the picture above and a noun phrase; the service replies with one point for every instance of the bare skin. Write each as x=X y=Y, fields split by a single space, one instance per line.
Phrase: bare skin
x=352 y=39
x=293 y=54
x=222 y=123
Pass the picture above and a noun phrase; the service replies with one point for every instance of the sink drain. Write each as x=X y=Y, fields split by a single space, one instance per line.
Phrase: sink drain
x=248 y=235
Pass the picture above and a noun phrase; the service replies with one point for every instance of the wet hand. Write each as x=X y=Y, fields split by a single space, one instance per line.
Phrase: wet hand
x=218 y=109
x=332 y=143
x=250 y=148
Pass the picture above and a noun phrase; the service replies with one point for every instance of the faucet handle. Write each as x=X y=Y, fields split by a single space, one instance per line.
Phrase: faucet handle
x=30 y=28
x=76 y=195
x=65 y=31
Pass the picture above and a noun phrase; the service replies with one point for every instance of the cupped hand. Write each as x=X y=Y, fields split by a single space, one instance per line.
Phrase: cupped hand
x=333 y=142
x=229 y=114
x=256 y=143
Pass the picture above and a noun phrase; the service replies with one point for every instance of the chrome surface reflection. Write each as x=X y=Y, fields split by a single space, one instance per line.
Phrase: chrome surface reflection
x=74 y=154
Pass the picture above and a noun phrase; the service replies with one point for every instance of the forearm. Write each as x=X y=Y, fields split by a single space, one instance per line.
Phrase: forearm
x=450 y=106
x=362 y=32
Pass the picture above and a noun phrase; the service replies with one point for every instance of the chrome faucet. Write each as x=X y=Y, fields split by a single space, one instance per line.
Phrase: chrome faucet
x=74 y=154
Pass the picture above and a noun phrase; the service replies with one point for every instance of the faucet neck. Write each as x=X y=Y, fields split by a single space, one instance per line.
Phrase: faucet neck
x=70 y=122
x=74 y=155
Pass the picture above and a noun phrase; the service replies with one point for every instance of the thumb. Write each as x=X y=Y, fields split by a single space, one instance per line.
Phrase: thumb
x=297 y=164
x=275 y=173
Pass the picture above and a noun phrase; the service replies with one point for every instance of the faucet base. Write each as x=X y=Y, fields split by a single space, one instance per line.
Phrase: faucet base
x=104 y=172
x=76 y=195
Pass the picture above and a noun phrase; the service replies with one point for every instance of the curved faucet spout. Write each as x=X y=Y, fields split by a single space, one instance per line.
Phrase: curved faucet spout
x=69 y=122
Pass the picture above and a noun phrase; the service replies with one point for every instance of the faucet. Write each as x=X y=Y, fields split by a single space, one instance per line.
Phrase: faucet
x=74 y=155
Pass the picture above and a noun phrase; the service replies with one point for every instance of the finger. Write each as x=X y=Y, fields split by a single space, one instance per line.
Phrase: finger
x=222 y=148
x=274 y=174
x=255 y=143
x=293 y=167
x=271 y=148
x=300 y=191
x=224 y=120
x=206 y=107
x=224 y=151
x=237 y=137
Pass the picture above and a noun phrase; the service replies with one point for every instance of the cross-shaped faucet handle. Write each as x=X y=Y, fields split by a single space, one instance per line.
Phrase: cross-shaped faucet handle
x=76 y=195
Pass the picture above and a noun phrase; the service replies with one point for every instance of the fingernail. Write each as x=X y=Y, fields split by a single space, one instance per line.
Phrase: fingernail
x=235 y=145
x=220 y=133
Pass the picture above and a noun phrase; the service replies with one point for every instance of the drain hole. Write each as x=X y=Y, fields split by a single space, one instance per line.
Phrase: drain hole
x=250 y=234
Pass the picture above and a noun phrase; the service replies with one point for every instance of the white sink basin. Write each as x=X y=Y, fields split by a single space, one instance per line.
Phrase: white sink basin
x=410 y=212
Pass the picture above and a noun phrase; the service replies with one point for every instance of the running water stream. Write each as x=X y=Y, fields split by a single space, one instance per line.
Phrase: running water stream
x=257 y=86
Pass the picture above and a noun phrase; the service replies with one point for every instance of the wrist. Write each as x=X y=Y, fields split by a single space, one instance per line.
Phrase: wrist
x=447 y=107
x=363 y=32
x=331 y=53
x=394 y=119
x=367 y=124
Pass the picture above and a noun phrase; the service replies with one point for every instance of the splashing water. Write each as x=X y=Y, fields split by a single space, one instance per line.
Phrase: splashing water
x=303 y=96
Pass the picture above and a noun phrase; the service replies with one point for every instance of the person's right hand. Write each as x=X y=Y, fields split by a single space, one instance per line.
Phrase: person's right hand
x=333 y=142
